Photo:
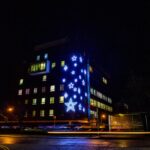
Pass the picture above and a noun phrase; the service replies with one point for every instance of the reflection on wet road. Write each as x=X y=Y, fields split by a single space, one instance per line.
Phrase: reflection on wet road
x=26 y=142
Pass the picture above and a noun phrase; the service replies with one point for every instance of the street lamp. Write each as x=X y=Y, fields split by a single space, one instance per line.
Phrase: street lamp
x=10 y=109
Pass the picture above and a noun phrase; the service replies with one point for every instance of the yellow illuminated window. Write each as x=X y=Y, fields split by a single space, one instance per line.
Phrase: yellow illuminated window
x=42 y=66
x=91 y=102
x=61 y=99
x=104 y=80
x=42 y=113
x=44 y=78
x=52 y=100
x=26 y=101
x=34 y=101
x=51 y=112
x=43 y=101
x=52 y=88
x=21 y=81
x=53 y=65
x=62 y=63
x=33 y=113
x=20 y=92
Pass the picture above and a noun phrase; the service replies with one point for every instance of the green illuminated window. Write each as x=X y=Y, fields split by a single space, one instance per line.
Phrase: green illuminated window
x=26 y=101
x=43 y=101
x=20 y=92
x=34 y=101
x=53 y=65
x=51 y=112
x=62 y=63
x=61 y=99
x=44 y=78
x=33 y=113
x=52 y=100
x=21 y=81
x=52 y=88
x=42 y=113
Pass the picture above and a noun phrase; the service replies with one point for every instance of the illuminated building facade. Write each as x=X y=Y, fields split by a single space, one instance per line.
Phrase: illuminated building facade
x=62 y=87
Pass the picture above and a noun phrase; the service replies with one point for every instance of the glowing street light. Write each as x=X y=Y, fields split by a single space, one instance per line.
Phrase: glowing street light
x=10 y=109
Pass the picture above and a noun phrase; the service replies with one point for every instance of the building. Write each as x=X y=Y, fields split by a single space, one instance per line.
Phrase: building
x=59 y=85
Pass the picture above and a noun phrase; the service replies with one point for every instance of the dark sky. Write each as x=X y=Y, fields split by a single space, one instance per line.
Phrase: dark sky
x=116 y=32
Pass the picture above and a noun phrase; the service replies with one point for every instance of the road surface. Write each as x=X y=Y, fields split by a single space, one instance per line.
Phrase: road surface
x=45 y=142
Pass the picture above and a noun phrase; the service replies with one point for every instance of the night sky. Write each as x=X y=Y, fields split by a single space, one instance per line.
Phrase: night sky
x=115 y=33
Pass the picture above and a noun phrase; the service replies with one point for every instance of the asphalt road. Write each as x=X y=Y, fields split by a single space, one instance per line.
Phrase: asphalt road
x=36 y=142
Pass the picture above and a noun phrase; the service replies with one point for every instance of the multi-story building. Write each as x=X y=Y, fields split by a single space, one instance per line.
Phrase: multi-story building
x=59 y=84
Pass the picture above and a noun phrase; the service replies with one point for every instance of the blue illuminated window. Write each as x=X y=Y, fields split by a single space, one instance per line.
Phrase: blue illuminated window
x=46 y=56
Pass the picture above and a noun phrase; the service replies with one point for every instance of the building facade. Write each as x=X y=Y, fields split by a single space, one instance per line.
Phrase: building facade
x=62 y=87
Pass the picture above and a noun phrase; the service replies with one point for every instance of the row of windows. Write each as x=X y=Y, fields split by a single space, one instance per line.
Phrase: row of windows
x=100 y=95
x=43 y=100
x=42 y=113
x=100 y=105
x=43 y=90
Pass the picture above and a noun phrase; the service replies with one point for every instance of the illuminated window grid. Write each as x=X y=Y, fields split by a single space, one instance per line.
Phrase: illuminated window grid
x=42 y=113
x=27 y=92
x=52 y=100
x=53 y=65
x=33 y=113
x=44 y=78
x=35 y=90
x=34 y=101
x=62 y=63
x=51 y=112
x=21 y=81
x=61 y=99
x=43 y=101
x=20 y=92
x=52 y=88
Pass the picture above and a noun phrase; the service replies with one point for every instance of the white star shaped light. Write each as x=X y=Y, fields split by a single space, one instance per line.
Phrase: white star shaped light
x=74 y=58
x=71 y=85
x=70 y=105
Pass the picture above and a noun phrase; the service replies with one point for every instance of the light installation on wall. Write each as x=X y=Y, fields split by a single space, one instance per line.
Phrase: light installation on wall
x=75 y=80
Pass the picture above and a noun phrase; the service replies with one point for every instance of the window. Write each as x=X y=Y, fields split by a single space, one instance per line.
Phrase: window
x=44 y=78
x=51 y=112
x=43 y=101
x=91 y=90
x=20 y=92
x=34 y=101
x=26 y=114
x=62 y=63
x=35 y=90
x=43 y=89
x=91 y=102
x=53 y=65
x=52 y=88
x=109 y=100
x=21 y=81
x=27 y=91
x=33 y=113
x=42 y=66
x=45 y=56
x=61 y=87
x=38 y=57
x=52 y=100
x=61 y=99
x=26 y=101
x=42 y=113
x=104 y=80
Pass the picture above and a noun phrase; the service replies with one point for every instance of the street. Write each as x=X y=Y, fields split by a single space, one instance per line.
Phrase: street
x=44 y=142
